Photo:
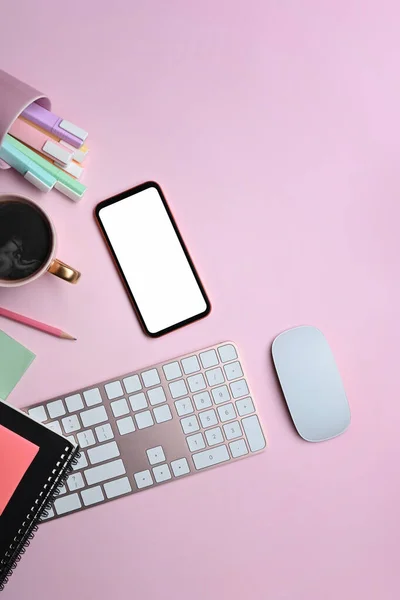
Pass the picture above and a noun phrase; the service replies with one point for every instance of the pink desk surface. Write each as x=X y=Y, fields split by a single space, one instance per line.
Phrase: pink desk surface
x=274 y=129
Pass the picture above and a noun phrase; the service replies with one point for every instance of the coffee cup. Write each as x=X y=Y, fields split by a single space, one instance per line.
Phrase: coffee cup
x=28 y=244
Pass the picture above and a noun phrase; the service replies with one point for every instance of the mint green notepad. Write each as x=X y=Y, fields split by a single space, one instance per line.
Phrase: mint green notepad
x=14 y=361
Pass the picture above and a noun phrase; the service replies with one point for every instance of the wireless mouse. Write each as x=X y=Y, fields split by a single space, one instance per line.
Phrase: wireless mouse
x=311 y=383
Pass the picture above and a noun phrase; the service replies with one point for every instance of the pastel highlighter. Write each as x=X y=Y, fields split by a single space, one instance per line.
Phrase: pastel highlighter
x=16 y=456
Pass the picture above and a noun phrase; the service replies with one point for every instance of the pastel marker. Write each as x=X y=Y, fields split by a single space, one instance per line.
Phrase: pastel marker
x=31 y=171
x=79 y=154
x=41 y=142
x=65 y=184
x=59 y=127
x=73 y=168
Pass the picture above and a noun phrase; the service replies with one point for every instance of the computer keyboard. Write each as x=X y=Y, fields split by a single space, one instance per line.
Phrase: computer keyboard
x=154 y=425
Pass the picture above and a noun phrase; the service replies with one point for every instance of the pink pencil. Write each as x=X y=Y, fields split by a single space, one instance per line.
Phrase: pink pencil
x=8 y=314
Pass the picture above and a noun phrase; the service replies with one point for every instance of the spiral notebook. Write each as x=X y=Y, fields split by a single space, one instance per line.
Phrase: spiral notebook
x=34 y=463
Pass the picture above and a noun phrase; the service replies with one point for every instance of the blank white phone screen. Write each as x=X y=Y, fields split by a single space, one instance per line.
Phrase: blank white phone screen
x=152 y=260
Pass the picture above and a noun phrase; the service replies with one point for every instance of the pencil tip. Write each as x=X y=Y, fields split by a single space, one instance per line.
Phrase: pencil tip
x=66 y=336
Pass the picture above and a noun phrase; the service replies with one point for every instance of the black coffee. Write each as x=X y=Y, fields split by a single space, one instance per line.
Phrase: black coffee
x=25 y=240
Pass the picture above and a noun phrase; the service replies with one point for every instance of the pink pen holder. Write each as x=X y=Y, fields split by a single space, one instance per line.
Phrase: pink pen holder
x=15 y=96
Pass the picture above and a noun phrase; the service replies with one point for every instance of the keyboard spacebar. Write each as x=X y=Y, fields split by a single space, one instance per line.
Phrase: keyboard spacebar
x=210 y=457
x=104 y=472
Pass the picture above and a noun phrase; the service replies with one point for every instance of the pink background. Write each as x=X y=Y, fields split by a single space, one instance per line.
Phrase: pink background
x=273 y=128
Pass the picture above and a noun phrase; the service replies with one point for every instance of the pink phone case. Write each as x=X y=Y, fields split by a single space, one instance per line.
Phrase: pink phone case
x=16 y=96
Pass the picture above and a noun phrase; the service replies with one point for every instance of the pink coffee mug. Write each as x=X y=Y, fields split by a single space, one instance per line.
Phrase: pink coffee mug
x=10 y=252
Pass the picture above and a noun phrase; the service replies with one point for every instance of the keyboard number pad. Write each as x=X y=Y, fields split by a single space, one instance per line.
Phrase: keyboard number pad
x=225 y=403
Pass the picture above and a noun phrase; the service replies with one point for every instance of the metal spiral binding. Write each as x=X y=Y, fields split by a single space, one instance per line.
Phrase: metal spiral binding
x=61 y=481
x=18 y=548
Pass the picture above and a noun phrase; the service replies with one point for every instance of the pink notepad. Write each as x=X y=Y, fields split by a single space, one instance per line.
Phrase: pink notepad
x=16 y=455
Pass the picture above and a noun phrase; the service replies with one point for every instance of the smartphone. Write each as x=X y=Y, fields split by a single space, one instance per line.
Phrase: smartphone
x=152 y=259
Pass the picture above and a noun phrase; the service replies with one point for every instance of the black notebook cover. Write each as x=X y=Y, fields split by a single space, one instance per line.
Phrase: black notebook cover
x=34 y=462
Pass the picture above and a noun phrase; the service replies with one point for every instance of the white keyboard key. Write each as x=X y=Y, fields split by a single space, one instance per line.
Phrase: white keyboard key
x=162 y=413
x=190 y=365
x=38 y=413
x=132 y=384
x=227 y=352
x=172 y=371
x=71 y=424
x=210 y=457
x=103 y=472
x=233 y=430
x=178 y=389
x=125 y=425
x=180 y=467
x=196 y=442
x=156 y=396
x=56 y=409
x=197 y=383
x=86 y=438
x=233 y=370
x=254 y=434
x=245 y=406
x=184 y=407
x=138 y=401
x=103 y=452
x=151 y=377
x=226 y=412
x=239 y=388
x=190 y=424
x=119 y=407
x=238 y=448
x=209 y=359
x=114 y=390
x=92 y=397
x=118 y=487
x=161 y=473
x=208 y=418
x=93 y=416
x=143 y=479
x=214 y=436
x=63 y=490
x=144 y=419
x=202 y=400
x=75 y=482
x=92 y=495
x=104 y=432
x=220 y=394
x=215 y=376
x=155 y=455
x=55 y=426
x=82 y=462
x=71 y=439
x=67 y=504
x=74 y=402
